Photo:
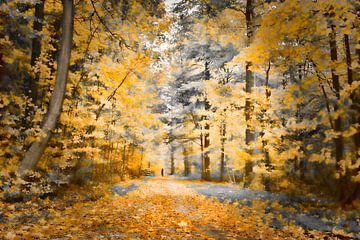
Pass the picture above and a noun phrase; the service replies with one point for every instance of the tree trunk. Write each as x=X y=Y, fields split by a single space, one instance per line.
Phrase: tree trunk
x=264 y=142
x=172 y=160
x=206 y=166
x=202 y=155
x=36 y=150
x=339 y=146
x=249 y=84
x=267 y=94
x=122 y=172
x=186 y=161
x=30 y=83
x=299 y=164
x=207 y=173
x=338 y=140
x=36 y=45
x=222 y=159
x=355 y=193
x=356 y=137
x=141 y=160
x=348 y=58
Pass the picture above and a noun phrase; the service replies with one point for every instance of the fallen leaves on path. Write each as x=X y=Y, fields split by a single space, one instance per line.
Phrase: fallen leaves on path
x=158 y=209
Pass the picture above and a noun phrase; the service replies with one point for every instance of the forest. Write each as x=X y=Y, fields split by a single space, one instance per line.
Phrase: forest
x=179 y=119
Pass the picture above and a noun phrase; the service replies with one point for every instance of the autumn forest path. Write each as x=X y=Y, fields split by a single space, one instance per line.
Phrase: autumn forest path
x=163 y=208
x=160 y=208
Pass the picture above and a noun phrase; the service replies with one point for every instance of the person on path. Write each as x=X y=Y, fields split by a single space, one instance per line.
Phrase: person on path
x=162 y=172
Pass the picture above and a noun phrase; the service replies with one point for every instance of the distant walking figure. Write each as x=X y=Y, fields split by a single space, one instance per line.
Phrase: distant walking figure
x=162 y=172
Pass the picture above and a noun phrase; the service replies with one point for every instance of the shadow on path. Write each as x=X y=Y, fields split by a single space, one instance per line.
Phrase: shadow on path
x=291 y=208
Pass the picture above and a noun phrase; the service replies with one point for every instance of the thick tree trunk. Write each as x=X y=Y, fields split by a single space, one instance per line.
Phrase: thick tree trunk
x=36 y=150
x=249 y=84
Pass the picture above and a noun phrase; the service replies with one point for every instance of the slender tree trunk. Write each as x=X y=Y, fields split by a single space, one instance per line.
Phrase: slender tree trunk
x=339 y=146
x=122 y=172
x=356 y=137
x=31 y=82
x=186 y=161
x=36 y=45
x=207 y=172
x=36 y=150
x=338 y=140
x=348 y=59
x=249 y=84
x=299 y=164
x=355 y=193
x=264 y=142
x=141 y=161
x=202 y=155
x=222 y=159
x=267 y=94
x=124 y=9
x=172 y=160
x=111 y=154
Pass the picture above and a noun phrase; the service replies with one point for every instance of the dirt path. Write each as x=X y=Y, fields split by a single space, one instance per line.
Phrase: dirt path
x=157 y=209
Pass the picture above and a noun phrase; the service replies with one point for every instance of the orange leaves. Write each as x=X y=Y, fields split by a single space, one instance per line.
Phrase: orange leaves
x=158 y=209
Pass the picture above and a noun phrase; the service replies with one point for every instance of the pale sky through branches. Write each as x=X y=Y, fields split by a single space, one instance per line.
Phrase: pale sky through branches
x=169 y=3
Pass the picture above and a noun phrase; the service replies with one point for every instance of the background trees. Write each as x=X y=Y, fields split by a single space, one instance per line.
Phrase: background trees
x=293 y=69
x=106 y=119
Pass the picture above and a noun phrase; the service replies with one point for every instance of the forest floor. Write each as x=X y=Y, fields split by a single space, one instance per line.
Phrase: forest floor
x=158 y=208
x=310 y=213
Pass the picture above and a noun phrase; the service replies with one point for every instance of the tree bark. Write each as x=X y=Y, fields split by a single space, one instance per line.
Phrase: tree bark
x=348 y=58
x=30 y=83
x=249 y=84
x=206 y=165
x=264 y=142
x=36 y=46
x=338 y=140
x=186 y=161
x=355 y=193
x=222 y=158
x=172 y=160
x=207 y=173
x=141 y=160
x=37 y=149
x=202 y=154
x=339 y=145
x=123 y=162
x=356 y=137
